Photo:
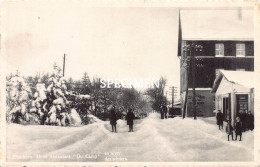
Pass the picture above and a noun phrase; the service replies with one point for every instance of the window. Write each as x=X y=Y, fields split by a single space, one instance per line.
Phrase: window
x=240 y=50
x=219 y=49
x=242 y=101
x=240 y=69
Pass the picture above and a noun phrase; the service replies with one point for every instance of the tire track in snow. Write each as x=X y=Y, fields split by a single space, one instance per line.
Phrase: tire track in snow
x=85 y=145
x=153 y=138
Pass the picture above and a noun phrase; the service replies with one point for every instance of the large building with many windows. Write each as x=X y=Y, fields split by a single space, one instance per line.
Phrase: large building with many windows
x=222 y=47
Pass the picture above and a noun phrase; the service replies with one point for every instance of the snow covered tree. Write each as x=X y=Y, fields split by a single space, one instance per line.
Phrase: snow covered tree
x=56 y=71
x=85 y=84
x=156 y=95
x=96 y=93
x=70 y=84
x=32 y=82
x=86 y=80
x=8 y=77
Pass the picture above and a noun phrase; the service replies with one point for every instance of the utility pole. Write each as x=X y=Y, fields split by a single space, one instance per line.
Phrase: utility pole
x=172 y=96
x=186 y=94
x=172 y=91
x=193 y=70
x=186 y=49
x=64 y=59
x=191 y=64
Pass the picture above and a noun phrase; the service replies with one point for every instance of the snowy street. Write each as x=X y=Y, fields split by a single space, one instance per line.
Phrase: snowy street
x=153 y=140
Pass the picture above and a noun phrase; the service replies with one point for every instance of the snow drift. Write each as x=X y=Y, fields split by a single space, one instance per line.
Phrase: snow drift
x=153 y=140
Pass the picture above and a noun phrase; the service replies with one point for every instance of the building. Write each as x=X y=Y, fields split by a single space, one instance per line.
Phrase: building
x=227 y=41
x=234 y=91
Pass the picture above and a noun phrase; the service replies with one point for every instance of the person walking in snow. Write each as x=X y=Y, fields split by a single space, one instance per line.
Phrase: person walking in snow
x=130 y=119
x=162 y=112
x=238 y=128
x=229 y=129
x=243 y=120
x=220 y=119
x=113 y=119
x=250 y=121
x=165 y=110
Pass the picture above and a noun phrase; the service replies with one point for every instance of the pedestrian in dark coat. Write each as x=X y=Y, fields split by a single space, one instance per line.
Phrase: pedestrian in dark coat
x=238 y=128
x=243 y=120
x=165 y=111
x=220 y=119
x=250 y=121
x=130 y=119
x=113 y=119
x=229 y=129
x=162 y=112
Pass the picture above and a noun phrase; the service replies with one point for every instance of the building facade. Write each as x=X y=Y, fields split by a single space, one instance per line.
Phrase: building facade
x=234 y=92
x=217 y=51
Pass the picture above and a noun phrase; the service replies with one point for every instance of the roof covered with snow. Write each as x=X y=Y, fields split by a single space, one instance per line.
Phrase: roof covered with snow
x=211 y=24
x=244 y=78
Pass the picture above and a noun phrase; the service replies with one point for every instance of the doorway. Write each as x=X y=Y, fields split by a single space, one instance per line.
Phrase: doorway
x=227 y=107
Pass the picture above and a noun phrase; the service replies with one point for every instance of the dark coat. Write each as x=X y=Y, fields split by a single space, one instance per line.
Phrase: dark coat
x=243 y=117
x=164 y=109
x=229 y=129
x=250 y=121
x=162 y=114
x=220 y=118
x=112 y=117
x=243 y=120
x=130 y=118
x=238 y=128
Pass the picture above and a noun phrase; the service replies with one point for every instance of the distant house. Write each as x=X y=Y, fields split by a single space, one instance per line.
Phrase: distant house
x=234 y=91
x=228 y=44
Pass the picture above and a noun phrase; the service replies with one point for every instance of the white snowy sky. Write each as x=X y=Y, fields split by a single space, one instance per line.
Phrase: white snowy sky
x=107 y=42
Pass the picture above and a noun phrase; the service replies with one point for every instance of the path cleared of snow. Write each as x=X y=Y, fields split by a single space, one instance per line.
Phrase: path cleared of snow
x=153 y=140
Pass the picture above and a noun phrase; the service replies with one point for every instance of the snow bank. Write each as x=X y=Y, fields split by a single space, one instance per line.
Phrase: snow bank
x=75 y=118
x=212 y=128
x=187 y=139
x=93 y=119
x=155 y=139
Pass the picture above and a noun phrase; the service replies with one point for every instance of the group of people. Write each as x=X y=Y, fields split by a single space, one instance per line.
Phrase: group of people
x=164 y=112
x=129 y=118
x=244 y=122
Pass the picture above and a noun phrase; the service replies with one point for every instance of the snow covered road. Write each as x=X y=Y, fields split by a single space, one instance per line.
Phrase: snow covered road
x=153 y=140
